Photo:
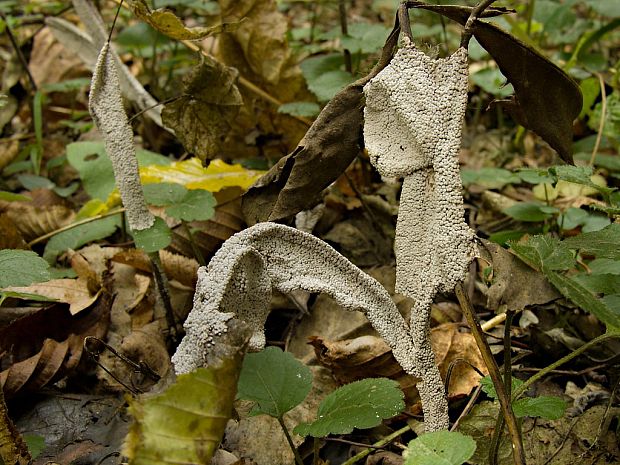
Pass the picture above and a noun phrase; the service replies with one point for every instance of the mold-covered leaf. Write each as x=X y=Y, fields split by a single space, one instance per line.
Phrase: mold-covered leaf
x=603 y=244
x=544 y=252
x=440 y=448
x=330 y=145
x=155 y=238
x=22 y=268
x=166 y=22
x=549 y=407
x=275 y=380
x=362 y=404
x=548 y=110
x=203 y=115
x=196 y=205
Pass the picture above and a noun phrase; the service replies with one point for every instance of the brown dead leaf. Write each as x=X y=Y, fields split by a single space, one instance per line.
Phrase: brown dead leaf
x=41 y=348
x=10 y=238
x=9 y=149
x=74 y=292
x=369 y=356
x=514 y=283
x=176 y=267
x=330 y=145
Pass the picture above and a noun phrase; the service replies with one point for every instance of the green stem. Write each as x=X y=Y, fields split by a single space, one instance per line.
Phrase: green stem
x=383 y=442
x=298 y=459
x=563 y=360
x=530 y=15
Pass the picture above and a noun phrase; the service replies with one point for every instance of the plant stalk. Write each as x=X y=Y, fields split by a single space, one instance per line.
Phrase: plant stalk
x=382 y=442
x=298 y=459
x=161 y=282
x=487 y=356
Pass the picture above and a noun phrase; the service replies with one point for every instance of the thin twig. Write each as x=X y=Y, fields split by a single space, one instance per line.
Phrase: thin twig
x=487 y=356
x=118 y=10
x=601 y=124
x=354 y=443
x=18 y=51
x=386 y=440
x=403 y=19
x=467 y=408
x=342 y=10
x=74 y=225
x=298 y=459
x=468 y=30
x=161 y=281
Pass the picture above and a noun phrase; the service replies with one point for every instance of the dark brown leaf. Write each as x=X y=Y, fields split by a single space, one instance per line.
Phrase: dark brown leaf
x=202 y=116
x=329 y=146
x=546 y=99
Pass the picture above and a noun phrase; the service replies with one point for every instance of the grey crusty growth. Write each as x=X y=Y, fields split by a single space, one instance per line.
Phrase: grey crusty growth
x=412 y=129
x=241 y=275
x=106 y=107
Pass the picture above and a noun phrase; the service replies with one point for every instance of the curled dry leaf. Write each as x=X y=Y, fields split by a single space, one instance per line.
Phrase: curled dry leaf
x=166 y=22
x=202 y=116
x=41 y=348
x=548 y=110
x=177 y=267
x=330 y=145
x=36 y=218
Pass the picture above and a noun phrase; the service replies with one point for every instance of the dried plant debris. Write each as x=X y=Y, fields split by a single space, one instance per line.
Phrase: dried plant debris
x=330 y=145
x=548 y=110
x=106 y=107
x=238 y=283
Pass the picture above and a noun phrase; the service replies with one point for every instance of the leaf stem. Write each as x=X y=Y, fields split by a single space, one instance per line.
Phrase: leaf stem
x=356 y=458
x=563 y=360
x=487 y=356
x=161 y=282
x=476 y=12
x=298 y=459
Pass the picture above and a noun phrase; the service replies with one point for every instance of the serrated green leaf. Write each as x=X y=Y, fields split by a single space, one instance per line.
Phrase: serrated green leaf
x=196 y=205
x=164 y=193
x=440 y=448
x=572 y=218
x=549 y=407
x=489 y=389
x=155 y=238
x=578 y=294
x=490 y=178
x=75 y=238
x=578 y=175
x=528 y=212
x=544 y=251
x=602 y=244
x=275 y=380
x=362 y=404
x=604 y=266
x=599 y=283
x=22 y=268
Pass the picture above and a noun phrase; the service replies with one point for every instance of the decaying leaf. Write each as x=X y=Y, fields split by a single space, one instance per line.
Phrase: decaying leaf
x=41 y=348
x=36 y=218
x=13 y=448
x=166 y=22
x=548 y=110
x=203 y=115
x=330 y=145
x=74 y=292
x=185 y=423
x=177 y=267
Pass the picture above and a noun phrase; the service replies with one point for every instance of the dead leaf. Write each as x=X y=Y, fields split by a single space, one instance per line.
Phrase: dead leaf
x=41 y=348
x=548 y=110
x=204 y=113
x=71 y=291
x=13 y=449
x=514 y=283
x=166 y=22
x=330 y=145
x=11 y=238
x=9 y=149
x=176 y=267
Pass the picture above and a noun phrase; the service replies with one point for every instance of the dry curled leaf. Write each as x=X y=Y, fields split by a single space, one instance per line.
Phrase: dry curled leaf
x=41 y=348
x=548 y=110
x=166 y=22
x=202 y=116
x=38 y=217
x=330 y=145
x=177 y=267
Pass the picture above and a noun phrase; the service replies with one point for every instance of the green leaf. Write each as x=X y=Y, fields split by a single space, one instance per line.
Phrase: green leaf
x=35 y=443
x=22 y=268
x=75 y=238
x=578 y=294
x=609 y=8
x=329 y=84
x=572 y=218
x=275 y=380
x=549 y=407
x=365 y=38
x=362 y=404
x=185 y=423
x=155 y=238
x=314 y=67
x=528 y=212
x=492 y=80
x=599 y=283
x=489 y=389
x=578 y=175
x=490 y=178
x=602 y=244
x=440 y=448
x=11 y=197
x=544 y=251
x=165 y=193
x=604 y=266
x=305 y=109
x=31 y=182
x=196 y=205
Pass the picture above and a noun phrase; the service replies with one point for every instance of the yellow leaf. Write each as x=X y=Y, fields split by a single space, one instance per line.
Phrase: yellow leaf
x=191 y=174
